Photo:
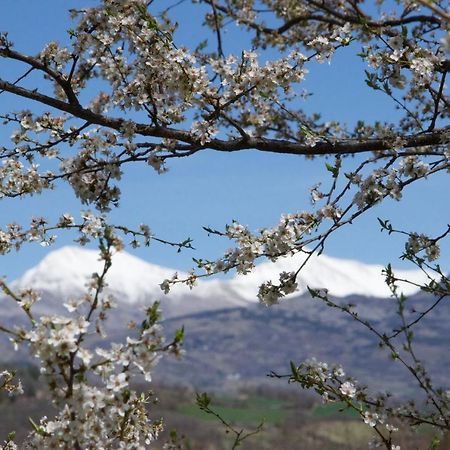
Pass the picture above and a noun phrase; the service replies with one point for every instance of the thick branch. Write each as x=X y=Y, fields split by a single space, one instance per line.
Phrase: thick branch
x=356 y=20
x=342 y=147
x=94 y=118
x=36 y=64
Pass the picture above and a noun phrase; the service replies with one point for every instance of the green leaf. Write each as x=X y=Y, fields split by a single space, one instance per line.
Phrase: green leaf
x=37 y=428
x=404 y=31
x=385 y=225
x=126 y=395
x=294 y=369
x=11 y=435
x=153 y=316
x=203 y=400
x=349 y=175
x=334 y=170
x=434 y=443
x=173 y=436
x=371 y=80
x=306 y=130
x=151 y=22
x=387 y=88
x=179 y=335
x=202 y=45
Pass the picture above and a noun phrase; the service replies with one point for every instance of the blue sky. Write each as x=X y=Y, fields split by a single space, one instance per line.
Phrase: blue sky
x=213 y=188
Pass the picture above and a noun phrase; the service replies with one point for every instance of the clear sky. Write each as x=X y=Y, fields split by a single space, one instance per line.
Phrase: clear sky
x=212 y=188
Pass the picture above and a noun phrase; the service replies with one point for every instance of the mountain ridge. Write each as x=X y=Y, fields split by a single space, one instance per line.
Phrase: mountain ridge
x=66 y=271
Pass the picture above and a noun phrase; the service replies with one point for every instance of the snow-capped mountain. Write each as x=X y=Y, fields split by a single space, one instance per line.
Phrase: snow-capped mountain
x=341 y=277
x=64 y=273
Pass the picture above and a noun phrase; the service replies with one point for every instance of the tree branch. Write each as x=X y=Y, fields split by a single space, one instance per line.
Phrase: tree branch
x=340 y=147
x=36 y=64
x=333 y=18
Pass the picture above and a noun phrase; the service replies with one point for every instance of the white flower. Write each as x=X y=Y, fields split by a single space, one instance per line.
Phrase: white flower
x=165 y=286
x=85 y=355
x=204 y=131
x=370 y=418
x=348 y=389
x=72 y=304
x=432 y=251
x=269 y=294
x=117 y=382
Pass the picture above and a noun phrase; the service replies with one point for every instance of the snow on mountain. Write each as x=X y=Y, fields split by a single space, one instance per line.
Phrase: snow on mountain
x=65 y=272
x=340 y=276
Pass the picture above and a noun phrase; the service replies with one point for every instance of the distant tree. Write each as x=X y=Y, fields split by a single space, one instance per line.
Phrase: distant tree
x=123 y=90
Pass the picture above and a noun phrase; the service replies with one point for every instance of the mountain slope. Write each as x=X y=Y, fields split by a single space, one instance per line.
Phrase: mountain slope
x=226 y=347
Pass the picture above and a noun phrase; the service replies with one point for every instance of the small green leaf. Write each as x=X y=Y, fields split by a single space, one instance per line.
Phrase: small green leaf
x=203 y=400
x=37 y=428
x=202 y=45
x=334 y=170
x=179 y=335
x=153 y=316
x=434 y=443
x=11 y=435
x=404 y=31
x=126 y=395
x=387 y=88
x=294 y=369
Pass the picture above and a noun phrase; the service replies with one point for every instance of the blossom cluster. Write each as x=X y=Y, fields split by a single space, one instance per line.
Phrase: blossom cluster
x=333 y=386
x=9 y=384
x=420 y=242
x=91 y=227
x=92 y=388
x=271 y=243
x=108 y=411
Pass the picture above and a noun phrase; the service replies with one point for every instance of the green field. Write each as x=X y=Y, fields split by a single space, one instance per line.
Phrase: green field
x=251 y=411
x=333 y=410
